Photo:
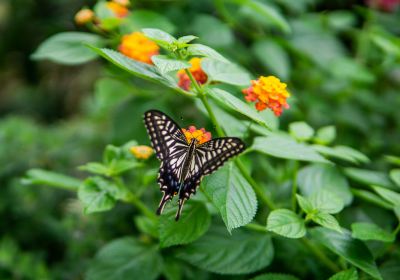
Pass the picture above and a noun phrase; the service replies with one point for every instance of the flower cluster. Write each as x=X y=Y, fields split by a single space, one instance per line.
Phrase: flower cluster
x=268 y=92
x=199 y=75
x=84 y=16
x=138 y=47
x=118 y=8
x=141 y=152
x=201 y=135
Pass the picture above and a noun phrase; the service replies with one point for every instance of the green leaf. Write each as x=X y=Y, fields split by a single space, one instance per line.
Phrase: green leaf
x=371 y=197
x=343 y=153
x=125 y=258
x=368 y=177
x=396 y=210
x=326 y=201
x=395 y=176
x=212 y=31
x=391 y=196
x=368 y=231
x=187 y=39
x=286 y=223
x=268 y=12
x=232 y=195
x=283 y=146
x=162 y=38
x=325 y=135
x=203 y=50
x=273 y=57
x=237 y=105
x=217 y=251
x=120 y=166
x=301 y=131
x=350 y=274
x=95 y=167
x=275 y=276
x=50 y=178
x=326 y=220
x=165 y=64
x=68 y=48
x=139 y=19
x=194 y=222
x=304 y=203
x=316 y=177
x=225 y=72
x=147 y=226
x=98 y=194
x=352 y=250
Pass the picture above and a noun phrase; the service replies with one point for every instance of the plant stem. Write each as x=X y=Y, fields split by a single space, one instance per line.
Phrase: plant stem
x=131 y=198
x=257 y=227
x=320 y=254
x=294 y=186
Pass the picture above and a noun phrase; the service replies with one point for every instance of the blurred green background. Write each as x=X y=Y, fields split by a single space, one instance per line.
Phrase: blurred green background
x=340 y=60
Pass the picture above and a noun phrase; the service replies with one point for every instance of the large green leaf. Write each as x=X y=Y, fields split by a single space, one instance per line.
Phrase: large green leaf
x=275 y=276
x=50 y=178
x=233 y=196
x=125 y=258
x=286 y=223
x=369 y=231
x=343 y=153
x=326 y=201
x=194 y=222
x=98 y=194
x=316 y=177
x=241 y=252
x=389 y=195
x=368 y=177
x=225 y=72
x=159 y=36
x=283 y=146
x=203 y=50
x=165 y=64
x=237 y=105
x=68 y=48
x=352 y=250
x=350 y=274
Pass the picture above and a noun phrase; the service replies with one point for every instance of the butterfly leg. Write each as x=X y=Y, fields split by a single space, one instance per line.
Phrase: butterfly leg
x=166 y=196
x=180 y=207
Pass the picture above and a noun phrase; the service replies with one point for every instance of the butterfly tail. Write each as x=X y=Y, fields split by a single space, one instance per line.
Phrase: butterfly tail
x=180 y=207
x=163 y=201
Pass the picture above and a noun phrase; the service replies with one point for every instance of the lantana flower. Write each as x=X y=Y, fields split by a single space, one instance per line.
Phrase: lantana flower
x=119 y=10
x=268 y=92
x=84 y=16
x=201 y=135
x=138 y=47
x=141 y=151
x=199 y=75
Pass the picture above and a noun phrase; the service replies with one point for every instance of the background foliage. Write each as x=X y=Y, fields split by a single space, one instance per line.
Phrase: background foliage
x=309 y=219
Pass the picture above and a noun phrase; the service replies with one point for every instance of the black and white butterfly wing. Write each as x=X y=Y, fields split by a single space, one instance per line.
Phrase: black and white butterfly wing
x=171 y=148
x=207 y=159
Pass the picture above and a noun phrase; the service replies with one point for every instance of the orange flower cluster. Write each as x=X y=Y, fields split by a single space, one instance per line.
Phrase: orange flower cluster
x=268 y=92
x=141 y=152
x=198 y=73
x=138 y=47
x=84 y=16
x=201 y=135
x=117 y=8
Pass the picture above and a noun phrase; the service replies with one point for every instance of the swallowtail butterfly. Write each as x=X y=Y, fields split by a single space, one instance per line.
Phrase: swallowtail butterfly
x=184 y=164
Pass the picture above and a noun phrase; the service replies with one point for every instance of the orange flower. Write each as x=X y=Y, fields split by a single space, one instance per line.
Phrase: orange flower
x=268 y=92
x=201 y=135
x=141 y=152
x=138 y=47
x=118 y=9
x=84 y=16
x=199 y=75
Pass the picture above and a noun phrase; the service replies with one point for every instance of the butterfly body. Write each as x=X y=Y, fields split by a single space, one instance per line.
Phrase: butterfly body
x=183 y=163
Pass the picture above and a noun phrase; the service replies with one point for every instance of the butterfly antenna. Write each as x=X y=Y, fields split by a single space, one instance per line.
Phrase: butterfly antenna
x=180 y=207
x=164 y=200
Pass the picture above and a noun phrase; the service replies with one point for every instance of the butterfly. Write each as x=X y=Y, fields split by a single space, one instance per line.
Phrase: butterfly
x=183 y=163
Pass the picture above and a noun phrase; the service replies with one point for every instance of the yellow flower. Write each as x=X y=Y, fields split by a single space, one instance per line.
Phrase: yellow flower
x=201 y=135
x=118 y=9
x=84 y=16
x=141 y=152
x=138 y=47
x=199 y=75
x=268 y=92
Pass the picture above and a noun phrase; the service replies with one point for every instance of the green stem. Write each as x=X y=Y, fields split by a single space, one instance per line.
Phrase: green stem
x=257 y=227
x=131 y=198
x=294 y=186
x=320 y=255
x=397 y=230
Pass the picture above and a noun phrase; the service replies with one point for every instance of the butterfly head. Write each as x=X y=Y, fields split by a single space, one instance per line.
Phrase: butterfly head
x=198 y=135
